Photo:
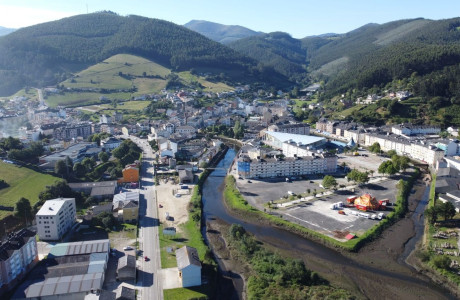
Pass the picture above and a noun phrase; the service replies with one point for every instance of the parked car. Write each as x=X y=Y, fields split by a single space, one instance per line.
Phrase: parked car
x=161 y=206
x=178 y=195
x=127 y=248
x=146 y=258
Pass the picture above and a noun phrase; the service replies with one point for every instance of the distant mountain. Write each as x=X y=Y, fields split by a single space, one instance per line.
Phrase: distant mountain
x=221 y=33
x=277 y=49
x=5 y=31
x=47 y=53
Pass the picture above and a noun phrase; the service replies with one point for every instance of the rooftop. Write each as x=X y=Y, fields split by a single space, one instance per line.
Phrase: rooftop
x=75 y=248
x=52 y=207
x=296 y=138
x=187 y=256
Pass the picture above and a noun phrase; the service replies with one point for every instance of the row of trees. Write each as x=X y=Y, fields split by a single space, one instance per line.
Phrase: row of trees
x=445 y=210
x=18 y=151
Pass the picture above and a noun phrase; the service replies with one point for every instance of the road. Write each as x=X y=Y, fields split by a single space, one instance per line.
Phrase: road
x=148 y=279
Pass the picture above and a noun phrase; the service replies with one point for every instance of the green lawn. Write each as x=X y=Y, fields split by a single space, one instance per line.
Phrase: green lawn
x=23 y=182
x=208 y=86
x=197 y=292
x=84 y=98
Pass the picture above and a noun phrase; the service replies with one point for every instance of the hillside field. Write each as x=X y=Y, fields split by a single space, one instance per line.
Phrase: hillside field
x=23 y=182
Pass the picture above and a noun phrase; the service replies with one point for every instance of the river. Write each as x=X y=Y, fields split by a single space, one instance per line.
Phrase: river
x=363 y=279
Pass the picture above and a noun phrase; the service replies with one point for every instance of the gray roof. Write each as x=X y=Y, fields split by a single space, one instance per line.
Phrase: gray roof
x=103 y=191
x=65 y=285
x=127 y=261
x=187 y=256
x=447 y=172
x=125 y=293
x=126 y=197
x=76 y=248
x=14 y=242
x=92 y=184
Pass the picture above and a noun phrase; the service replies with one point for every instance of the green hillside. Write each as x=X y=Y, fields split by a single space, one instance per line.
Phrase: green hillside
x=23 y=182
x=123 y=77
x=221 y=33
x=277 y=49
x=49 y=53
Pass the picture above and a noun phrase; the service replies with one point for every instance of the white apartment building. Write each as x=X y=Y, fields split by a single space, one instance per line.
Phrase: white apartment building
x=299 y=128
x=55 y=218
x=290 y=166
x=410 y=129
x=414 y=149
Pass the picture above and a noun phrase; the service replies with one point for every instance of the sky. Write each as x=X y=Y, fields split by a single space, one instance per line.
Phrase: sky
x=299 y=18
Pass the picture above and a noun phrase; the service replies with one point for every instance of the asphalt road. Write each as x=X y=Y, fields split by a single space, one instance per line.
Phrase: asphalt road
x=148 y=279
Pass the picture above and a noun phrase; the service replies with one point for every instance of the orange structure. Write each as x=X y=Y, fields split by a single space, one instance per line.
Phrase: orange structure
x=366 y=202
x=130 y=174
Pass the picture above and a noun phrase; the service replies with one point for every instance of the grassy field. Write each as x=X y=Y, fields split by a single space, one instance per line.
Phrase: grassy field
x=197 y=292
x=22 y=182
x=208 y=86
x=347 y=112
x=85 y=98
x=32 y=94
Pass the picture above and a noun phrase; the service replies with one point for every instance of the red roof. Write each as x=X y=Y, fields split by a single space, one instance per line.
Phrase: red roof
x=350 y=236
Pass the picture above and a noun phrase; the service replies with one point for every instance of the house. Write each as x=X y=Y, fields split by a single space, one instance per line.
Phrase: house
x=185 y=176
x=125 y=293
x=18 y=254
x=189 y=266
x=55 y=218
x=126 y=205
x=130 y=174
x=126 y=270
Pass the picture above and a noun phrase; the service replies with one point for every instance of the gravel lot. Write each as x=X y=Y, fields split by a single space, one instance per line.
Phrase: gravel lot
x=175 y=206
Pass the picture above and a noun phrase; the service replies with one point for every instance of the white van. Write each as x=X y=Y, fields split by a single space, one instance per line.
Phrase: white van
x=291 y=193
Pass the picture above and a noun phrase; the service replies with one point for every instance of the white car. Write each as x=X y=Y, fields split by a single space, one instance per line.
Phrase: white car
x=127 y=248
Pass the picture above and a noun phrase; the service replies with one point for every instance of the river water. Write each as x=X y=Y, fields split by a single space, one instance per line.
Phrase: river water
x=317 y=257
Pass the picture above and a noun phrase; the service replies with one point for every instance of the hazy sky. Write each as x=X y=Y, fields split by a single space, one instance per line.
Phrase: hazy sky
x=300 y=18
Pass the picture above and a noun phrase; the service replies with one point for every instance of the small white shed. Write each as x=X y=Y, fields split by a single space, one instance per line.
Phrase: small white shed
x=189 y=266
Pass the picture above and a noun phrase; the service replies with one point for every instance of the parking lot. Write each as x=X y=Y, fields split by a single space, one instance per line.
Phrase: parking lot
x=316 y=213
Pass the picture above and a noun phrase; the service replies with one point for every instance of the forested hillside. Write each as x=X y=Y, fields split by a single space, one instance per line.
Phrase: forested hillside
x=45 y=54
x=4 y=30
x=278 y=50
x=221 y=33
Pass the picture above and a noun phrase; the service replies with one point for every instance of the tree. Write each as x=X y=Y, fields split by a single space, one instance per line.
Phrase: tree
x=442 y=262
x=22 y=209
x=431 y=214
x=447 y=210
x=60 y=168
x=103 y=156
x=329 y=182
x=375 y=148
x=238 y=130
x=79 y=170
x=357 y=176
x=387 y=167
x=391 y=153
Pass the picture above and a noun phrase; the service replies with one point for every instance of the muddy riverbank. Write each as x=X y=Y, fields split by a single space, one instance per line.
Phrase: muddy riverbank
x=372 y=273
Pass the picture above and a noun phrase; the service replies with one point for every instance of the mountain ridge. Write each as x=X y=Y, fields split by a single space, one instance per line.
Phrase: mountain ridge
x=219 y=32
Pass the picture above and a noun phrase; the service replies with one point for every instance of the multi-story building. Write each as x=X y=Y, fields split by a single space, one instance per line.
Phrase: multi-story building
x=281 y=140
x=321 y=163
x=411 y=129
x=18 y=254
x=72 y=131
x=55 y=218
x=299 y=128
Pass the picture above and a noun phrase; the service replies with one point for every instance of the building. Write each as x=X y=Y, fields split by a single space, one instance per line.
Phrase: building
x=126 y=206
x=55 y=218
x=298 y=128
x=278 y=139
x=270 y=167
x=73 y=131
x=98 y=190
x=71 y=271
x=189 y=266
x=126 y=270
x=18 y=254
x=110 y=143
x=411 y=129
x=130 y=174
x=75 y=152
